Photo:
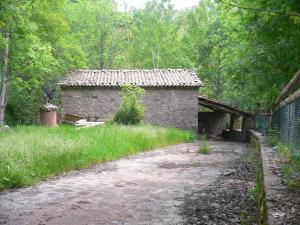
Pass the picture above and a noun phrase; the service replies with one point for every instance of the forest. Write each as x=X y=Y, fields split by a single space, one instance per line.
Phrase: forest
x=244 y=51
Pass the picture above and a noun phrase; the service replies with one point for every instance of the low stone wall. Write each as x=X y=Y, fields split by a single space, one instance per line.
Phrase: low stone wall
x=279 y=205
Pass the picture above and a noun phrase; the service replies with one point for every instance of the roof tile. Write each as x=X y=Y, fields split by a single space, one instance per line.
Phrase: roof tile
x=143 y=78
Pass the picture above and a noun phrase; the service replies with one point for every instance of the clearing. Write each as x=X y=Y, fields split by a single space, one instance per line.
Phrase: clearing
x=172 y=185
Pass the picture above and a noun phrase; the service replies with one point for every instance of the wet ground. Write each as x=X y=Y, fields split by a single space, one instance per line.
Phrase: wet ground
x=162 y=186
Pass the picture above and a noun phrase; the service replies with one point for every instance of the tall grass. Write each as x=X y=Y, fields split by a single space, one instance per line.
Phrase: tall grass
x=290 y=167
x=204 y=147
x=29 y=154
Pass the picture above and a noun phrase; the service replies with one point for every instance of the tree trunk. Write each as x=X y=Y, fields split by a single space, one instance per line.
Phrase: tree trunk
x=4 y=79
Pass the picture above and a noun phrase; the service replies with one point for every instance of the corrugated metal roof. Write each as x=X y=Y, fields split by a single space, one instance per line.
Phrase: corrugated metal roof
x=142 y=78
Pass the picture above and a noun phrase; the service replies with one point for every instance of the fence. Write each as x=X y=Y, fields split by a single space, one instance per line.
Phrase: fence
x=262 y=123
x=286 y=117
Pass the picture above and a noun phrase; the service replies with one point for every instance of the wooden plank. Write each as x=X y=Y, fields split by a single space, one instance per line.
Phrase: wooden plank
x=288 y=88
x=73 y=118
x=290 y=99
x=222 y=106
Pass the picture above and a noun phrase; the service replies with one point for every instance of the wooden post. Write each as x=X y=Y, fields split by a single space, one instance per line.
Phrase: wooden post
x=4 y=79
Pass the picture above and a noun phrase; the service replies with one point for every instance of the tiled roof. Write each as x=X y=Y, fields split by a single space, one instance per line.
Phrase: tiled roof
x=142 y=78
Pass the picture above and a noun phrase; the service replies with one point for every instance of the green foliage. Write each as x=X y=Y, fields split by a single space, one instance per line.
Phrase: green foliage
x=101 y=31
x=261 y=51
x=243 y=56
x=29 y=154
x=131 y=110
x=155 y=42
x=204 y=147
x=40 y=52
x=273 y=137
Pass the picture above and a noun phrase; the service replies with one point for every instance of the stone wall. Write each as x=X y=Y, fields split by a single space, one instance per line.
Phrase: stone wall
x=170 y=107
x=213 y=123
x=278 y=203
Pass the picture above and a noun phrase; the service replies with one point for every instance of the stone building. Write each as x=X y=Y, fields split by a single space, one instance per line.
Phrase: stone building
x=171 y=95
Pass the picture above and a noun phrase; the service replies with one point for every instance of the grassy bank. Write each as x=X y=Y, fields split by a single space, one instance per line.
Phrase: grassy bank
x=29 y=154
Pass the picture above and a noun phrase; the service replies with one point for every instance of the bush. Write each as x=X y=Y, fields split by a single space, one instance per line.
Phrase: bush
x=131 y=110
x=203 y=148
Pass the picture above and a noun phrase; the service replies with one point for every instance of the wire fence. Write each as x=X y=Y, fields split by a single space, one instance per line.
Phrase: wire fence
x=262 y=123
x=285 y=120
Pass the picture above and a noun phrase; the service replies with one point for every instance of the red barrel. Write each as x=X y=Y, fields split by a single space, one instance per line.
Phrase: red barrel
x=48 y=115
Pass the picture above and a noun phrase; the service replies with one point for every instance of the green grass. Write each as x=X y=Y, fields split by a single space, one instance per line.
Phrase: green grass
x=284 y=153
x=290 y=166
x=204 y=147
x=291 y=173
x=29 y=154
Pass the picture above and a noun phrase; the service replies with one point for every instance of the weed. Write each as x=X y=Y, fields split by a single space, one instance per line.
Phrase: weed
x=291 y=173
x=204 y=147
x=284 y=153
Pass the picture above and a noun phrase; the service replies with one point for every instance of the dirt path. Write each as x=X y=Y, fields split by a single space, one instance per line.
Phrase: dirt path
x=147 y=188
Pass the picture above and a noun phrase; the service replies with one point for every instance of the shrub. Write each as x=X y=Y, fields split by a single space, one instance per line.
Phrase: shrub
x=131 y=110
x=203 y=148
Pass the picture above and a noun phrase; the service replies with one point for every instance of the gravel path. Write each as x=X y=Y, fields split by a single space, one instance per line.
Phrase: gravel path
x=155 y=187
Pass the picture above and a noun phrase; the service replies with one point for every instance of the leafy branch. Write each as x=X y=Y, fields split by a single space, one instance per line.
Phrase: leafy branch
x=260 y=9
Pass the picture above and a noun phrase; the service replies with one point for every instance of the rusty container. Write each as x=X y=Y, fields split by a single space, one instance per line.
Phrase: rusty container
x=48 y=115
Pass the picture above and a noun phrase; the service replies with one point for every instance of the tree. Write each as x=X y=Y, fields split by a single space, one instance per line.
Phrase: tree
x=4 y=78
x=262 y=50
x=101 y=31
x=154 y=42
x=201 y=43
x=40 y=52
